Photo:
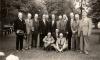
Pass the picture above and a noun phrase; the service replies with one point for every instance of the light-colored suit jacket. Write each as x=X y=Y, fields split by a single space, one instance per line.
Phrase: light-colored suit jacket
x=29 y=25
x=85 y=26
x=61 y=41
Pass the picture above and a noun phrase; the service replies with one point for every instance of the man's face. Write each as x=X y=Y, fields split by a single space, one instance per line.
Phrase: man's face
x=57 y=30
x=43 y=16
x=49 y=34
x=60 y=17
x=36 y=16
x=29 y=16
x=53 y=17
x=77 y=17
x=84 y=14
x=72 y=15
x=20 y=15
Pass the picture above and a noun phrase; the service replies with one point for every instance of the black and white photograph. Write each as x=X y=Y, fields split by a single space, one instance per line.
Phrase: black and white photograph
x=49 y=29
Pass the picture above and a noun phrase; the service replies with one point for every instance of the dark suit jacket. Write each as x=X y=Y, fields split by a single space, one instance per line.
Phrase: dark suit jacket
x=53 y=26
x=36 y=25
x=68 y=27
x=48 y=26
x=43 y=27
x=19 y=25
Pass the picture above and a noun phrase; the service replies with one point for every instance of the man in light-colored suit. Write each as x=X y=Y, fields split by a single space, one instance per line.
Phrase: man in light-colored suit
x=85 y=31
x=29 y=27
x=61 y=43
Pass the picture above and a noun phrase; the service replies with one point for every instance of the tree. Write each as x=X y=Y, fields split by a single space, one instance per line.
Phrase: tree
x=95 y=11
x=59 y=7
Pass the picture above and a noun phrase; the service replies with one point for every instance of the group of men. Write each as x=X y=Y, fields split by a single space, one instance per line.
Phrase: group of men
x=36 y=29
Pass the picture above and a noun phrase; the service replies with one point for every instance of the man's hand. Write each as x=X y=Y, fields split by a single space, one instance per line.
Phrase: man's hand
x=32 y=28
x=18 y=31
x=66 y=32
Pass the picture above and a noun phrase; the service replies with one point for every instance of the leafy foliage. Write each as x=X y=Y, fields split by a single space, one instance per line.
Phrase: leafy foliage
x=59 y=6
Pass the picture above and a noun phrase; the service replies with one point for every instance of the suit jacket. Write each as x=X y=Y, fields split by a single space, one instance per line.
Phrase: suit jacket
x=53 y=26
x=61 y=41
x=58 y=27
x=68 y=27
x=19 y=25
x=29 y=26
x=85 y=26
x=48 y=26
x=43 y=27
x=36 y=25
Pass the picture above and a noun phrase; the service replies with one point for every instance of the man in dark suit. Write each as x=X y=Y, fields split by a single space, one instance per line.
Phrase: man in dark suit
x=68 y=28
x=53 y=24
x=43 y=29
x=48 y=23
x=36 y=30
x=20 y=29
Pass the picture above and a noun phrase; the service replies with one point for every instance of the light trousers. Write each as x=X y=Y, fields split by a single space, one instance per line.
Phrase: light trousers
x=84 y=42
x=29 y=40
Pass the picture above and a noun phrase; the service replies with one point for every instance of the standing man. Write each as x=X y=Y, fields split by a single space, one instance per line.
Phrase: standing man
x=29 y=27
x=20 y=29
x=85 y=32
x=48 y=23
x=78 y=37
x=36 y=30
x=68 y=25
x=43 y=29
x=74 y=28
x=53 y=24
x=65 y=19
